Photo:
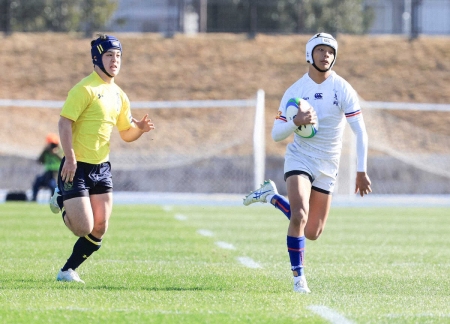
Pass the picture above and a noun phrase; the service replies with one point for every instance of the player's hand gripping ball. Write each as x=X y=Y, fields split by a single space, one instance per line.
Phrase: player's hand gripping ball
x=305 y=131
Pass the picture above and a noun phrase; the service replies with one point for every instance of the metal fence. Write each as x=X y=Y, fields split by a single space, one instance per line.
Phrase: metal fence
x=428 y=17
x=410 y=17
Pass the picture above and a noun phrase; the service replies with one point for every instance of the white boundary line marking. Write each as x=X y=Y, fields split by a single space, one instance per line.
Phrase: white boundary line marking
x=167 y=208
x=246 y=261
x=205 y=232
x=169 y=199
x=225 y=245
x=180 y=217
x=329 y=314
x=249 y=262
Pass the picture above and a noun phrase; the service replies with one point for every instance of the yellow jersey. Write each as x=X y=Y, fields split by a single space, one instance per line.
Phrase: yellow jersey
x=95 y=107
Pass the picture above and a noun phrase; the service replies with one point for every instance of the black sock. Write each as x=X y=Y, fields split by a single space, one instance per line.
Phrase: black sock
x=82 y=249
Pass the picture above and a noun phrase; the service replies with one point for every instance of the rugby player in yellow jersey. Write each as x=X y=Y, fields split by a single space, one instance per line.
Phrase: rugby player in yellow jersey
x=84 y=193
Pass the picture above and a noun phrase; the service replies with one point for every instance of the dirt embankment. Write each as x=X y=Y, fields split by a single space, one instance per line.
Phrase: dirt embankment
x=227 y=66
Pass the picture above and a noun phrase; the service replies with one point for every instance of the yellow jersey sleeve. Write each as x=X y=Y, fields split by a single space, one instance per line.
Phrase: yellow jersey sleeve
x=125 y=119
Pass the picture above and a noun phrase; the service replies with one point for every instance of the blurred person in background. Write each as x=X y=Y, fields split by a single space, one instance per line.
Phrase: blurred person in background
x=84 y=193
x=50 y=158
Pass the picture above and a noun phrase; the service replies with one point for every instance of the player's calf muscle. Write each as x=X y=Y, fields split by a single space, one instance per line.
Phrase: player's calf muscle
x=79 y=219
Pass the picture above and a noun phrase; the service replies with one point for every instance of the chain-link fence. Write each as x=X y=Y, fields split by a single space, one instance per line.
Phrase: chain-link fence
x=200 y=147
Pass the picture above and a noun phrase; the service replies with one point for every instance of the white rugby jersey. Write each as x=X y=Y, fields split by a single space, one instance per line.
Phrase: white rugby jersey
x=334 y=101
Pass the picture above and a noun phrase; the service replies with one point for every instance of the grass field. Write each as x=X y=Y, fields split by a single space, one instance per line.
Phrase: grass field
x=208 y=264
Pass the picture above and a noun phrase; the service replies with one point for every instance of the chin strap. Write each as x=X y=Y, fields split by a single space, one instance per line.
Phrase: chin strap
x=104 y=71
x=323 y=71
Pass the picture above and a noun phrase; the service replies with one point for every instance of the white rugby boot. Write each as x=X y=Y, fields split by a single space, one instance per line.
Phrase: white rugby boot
x=260 y=194
x=300 y=285
x=54 y=207
x=69 y=276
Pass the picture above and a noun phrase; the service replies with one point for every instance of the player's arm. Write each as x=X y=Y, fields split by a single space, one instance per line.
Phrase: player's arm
x=362 y=179
x=65 y=134
x=283 y=128
x=41 y=157
x=138 y=127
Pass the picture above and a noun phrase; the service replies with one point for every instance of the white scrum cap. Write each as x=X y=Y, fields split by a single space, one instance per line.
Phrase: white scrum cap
x=320 y=39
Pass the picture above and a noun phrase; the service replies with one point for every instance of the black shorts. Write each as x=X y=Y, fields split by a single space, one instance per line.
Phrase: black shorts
x=89 y=179
x=306 y=174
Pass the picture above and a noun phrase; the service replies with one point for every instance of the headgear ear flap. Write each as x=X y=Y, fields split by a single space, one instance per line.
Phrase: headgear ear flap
x=100 y=46
x=320 y=39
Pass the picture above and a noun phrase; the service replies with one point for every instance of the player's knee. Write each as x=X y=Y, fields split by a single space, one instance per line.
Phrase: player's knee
x=79 y=233
x=313 y=234
x=100 y=229
x=299 y=217
x=82 y=231
x=99 y=232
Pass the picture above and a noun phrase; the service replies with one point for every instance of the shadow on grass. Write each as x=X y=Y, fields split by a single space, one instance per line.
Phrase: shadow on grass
x=24 y=284
x=105 y=287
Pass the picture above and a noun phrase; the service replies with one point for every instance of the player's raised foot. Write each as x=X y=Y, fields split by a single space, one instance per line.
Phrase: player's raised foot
x=260 y=194
x=300 y=285
x=54 y=207
x=69 y=276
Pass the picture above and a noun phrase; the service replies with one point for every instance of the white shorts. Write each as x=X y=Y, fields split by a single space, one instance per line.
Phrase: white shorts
x=322 y=173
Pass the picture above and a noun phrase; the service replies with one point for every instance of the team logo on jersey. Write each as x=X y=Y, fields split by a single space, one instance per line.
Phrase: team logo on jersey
x=335 y=101
x=68 y=185
x=318 y=96
x=280 y=117
x=100 y=96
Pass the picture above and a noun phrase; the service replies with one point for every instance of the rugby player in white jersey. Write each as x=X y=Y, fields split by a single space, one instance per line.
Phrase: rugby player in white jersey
x=311 y=164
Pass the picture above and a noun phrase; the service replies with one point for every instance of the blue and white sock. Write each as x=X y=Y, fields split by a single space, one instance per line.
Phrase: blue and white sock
x=280 y=203
x=296 y=250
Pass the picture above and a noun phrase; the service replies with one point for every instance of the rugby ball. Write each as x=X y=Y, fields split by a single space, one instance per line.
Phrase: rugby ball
x=305 y=131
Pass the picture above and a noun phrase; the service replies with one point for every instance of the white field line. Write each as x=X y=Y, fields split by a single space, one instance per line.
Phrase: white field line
x=167 y=208
x=168 y=200
x=249 y=262
x=205 y=232
x=225 y=245
x=180 y=217
x=246 y=261
x=330 y=315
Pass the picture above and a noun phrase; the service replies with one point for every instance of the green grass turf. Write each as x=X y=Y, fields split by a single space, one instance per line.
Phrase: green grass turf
x=371 y=265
